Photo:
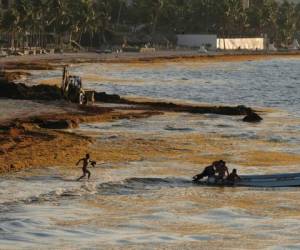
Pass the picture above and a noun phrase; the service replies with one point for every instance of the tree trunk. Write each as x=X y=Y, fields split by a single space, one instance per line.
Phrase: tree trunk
x=155 y=20
x=70 y=36
x=80 y=37
x=91 y=40
x=103 y=37
x=119 y=13
x=12 y=42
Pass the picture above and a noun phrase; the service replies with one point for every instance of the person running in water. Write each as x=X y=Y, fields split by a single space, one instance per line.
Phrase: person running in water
x=86 y=162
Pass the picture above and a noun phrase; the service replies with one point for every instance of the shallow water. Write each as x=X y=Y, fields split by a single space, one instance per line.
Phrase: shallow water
x=141 y=211
x=150 y=204
x=270 y=83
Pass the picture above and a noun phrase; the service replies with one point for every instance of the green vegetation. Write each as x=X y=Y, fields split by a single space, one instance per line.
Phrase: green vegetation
x=102 y=22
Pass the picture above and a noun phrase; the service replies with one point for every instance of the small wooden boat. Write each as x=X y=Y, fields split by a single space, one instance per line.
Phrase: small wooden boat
x=272 y=180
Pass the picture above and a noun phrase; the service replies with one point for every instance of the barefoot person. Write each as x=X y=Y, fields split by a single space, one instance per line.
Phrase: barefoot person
x=221 y=170
x=86 y=162
x=233 y=177
x=208 y=171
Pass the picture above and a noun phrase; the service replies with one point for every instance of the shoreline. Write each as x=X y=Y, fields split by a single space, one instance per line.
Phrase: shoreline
x=45 y=140
x=54 y=140
x=44 y=127
x=53 y=61
x=40 y=136
x=28 y=141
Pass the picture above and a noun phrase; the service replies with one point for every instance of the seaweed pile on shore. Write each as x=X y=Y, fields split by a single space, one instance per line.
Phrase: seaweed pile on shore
x=46 y=92
x=40 y=141
x=24 y=92
x=43 y=141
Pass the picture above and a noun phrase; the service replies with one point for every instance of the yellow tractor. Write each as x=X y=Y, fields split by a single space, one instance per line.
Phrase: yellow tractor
x=72 y=90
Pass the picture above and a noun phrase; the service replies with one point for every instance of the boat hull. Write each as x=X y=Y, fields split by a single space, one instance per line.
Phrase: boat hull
x=267 y=181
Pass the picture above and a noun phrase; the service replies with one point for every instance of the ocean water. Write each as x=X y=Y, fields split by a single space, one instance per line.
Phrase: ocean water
x=271 y=83
x=151 y=203
x=265 y=83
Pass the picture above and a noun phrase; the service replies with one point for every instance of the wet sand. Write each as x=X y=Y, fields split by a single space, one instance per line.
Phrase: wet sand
x=51 y=61
x=140 y=195
x=24 y=144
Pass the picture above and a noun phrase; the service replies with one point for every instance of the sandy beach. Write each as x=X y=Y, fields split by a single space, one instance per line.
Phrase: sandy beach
x=51 y=60
x=24 y=144
x=163 y=118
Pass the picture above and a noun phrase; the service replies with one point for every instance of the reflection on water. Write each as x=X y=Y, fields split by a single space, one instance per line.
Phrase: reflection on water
x=143 y=211
x=151 y=203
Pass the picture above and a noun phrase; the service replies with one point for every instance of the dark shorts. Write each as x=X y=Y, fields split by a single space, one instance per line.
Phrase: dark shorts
x=85 y=170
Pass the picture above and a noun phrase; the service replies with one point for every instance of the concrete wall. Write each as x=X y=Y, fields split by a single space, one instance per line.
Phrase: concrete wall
x=241 y=43
x=197 y=40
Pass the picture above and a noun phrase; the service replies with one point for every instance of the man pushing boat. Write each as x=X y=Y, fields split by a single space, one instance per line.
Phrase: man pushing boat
x=208 y=172
x=221 y=170
x=233 y=177
x=262 y=180
x=217 y=173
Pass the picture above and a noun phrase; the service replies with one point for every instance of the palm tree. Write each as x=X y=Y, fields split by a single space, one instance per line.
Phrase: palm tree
x=87 y=22
x=9 y=24
x=58 y=20
x=286 y=22
x=103 y=19
x=157 y=6
x=28 y=21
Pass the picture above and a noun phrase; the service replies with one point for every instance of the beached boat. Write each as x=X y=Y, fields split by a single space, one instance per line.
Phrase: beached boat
x=272 y=180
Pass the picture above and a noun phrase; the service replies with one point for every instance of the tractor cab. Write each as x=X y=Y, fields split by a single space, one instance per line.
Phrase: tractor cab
x=73 y=91
x=75 y=82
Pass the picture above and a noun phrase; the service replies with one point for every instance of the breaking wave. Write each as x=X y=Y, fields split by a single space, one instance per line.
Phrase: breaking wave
x=128 y=186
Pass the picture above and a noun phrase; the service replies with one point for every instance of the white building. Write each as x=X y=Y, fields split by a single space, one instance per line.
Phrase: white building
x=258 y=43
x=212 y=42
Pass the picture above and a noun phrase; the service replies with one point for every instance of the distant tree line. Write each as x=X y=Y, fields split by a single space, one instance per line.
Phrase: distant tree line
x=98 y=22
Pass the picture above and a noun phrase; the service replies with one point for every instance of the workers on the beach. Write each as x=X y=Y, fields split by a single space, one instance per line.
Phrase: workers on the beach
x=221 y=170
x=208 y=172
x=217 y=173
x=85 y=164
x=233 y=177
